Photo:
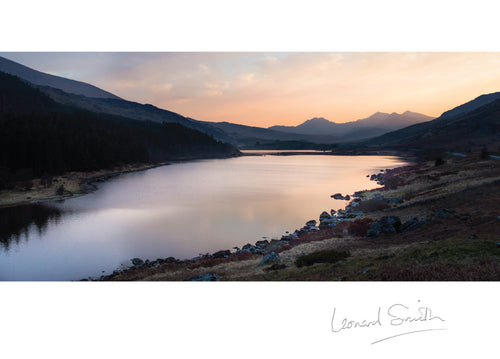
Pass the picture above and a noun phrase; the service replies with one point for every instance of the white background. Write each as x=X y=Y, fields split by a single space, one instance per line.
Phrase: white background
x=243 y=320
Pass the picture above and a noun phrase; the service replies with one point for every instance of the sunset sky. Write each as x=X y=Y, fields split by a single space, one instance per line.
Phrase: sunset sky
x=264 y=89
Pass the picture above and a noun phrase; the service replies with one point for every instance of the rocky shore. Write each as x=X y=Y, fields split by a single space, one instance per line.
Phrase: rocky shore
x=417 y=226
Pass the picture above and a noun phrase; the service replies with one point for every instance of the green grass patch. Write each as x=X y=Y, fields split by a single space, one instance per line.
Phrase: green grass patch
x=450 y=250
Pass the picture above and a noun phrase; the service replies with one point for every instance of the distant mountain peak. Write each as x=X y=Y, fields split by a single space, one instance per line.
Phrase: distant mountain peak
x=376 y=124
x=317 y=120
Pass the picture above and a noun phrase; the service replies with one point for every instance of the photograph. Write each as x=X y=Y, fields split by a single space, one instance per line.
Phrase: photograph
x=255 y=166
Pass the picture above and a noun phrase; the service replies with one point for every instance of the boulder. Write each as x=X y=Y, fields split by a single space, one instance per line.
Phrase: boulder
x=445 y=213
x=137 y=262
x=252 y=249
x=207 y=277
x=394 y=200
x=222 y=254
x=328 y=222
x=409 y=224
x=341 y=213
x=324 y=214
x=386 y=224
x=311 y=223
x=340 y=197
x=262 y=244
x=289 y=237
x=359 y=193
x=413 y=223
x=268 y=259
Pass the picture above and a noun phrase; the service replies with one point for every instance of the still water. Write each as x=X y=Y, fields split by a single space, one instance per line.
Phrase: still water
x=180 y=210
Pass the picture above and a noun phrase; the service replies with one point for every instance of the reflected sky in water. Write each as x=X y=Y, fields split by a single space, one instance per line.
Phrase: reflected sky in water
x=182 y=210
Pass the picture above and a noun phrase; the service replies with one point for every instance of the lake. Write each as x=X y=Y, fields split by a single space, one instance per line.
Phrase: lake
x=179 y=210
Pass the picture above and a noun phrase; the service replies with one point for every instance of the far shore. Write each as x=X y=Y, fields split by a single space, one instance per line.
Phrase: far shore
x=74 y=184
x=80 y=183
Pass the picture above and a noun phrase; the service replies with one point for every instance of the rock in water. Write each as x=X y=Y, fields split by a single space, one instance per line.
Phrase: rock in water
x=339 y=196
x=268 y=259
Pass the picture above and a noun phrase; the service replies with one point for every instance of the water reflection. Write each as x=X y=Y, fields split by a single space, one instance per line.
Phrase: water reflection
x=179 y=210
x=16 y=222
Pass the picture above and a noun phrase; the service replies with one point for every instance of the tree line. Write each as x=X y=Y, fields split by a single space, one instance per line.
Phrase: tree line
x=41 y=137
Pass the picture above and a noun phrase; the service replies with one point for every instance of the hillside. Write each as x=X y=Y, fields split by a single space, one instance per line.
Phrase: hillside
x=472 y=105
x=42 y=79
x=463 y=131
x=131 y=109
x=39 y=136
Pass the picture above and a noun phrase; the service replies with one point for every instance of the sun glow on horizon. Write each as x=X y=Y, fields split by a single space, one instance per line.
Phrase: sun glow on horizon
x=266 y=89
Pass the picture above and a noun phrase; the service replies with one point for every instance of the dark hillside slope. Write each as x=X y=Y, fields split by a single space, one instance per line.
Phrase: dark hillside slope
x=42 y=79
x=132 y=110
x=479 y=127
x=39 y=136
x=472 y=105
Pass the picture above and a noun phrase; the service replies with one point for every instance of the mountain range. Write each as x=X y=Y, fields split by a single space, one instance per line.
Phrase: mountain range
x=471 y=124
x=376 y=124
x=91 y=98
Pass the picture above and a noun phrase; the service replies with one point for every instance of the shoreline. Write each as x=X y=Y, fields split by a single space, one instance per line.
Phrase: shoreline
x=75 y=183
x=261 y=247
x=78 y=184
x=422 y=210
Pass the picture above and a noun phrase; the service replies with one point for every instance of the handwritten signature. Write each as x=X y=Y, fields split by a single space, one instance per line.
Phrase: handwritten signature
x=396 y=315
